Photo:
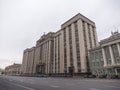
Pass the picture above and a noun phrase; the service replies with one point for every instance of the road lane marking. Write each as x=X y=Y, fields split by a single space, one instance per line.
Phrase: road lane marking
x=112 y=86
x=11 y=80
x=93 y=89
x=54 y=86
x=69 y=84
x=81 y=82
x=22 y=86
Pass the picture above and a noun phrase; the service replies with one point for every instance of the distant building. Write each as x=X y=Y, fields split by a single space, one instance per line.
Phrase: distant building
x=1 y=71
x=13 y=69
x=105 y=59
x=64 y=51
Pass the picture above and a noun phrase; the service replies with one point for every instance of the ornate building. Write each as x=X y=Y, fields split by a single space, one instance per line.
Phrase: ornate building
x=105 y=59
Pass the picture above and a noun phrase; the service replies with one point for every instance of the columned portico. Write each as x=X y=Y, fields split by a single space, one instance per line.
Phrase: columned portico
x=104 y=57
x=118 y=47
x=111 y=54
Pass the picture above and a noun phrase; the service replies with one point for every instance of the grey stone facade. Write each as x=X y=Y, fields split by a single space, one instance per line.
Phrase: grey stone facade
x=106 y=56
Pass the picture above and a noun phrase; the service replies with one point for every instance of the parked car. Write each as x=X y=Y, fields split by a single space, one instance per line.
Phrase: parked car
x=114 y=77
x=92 y=76
x=85 y=76
x=102 y=76
x=89 y=76
x=118 y=76
x=41 y=75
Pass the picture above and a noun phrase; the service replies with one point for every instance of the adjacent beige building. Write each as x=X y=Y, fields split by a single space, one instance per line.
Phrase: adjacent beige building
x=1 y=71
x=64 y=51
x=13 y=69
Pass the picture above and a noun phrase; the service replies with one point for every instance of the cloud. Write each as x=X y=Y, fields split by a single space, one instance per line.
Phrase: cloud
x=22 y=22
x=5 y=62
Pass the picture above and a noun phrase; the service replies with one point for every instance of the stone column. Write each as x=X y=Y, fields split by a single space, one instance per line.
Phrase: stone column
x=96 y=38
x=118 y=46
x=92 y=38
x=82 y=46
x=111 y=54
x=104 y=57
x=67 y=48
x=87 y=36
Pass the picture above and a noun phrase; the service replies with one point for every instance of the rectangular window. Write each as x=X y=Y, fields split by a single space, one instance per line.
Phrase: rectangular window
x=70 y=45
x=77 y=45
x=93 y=29
x=65 y=51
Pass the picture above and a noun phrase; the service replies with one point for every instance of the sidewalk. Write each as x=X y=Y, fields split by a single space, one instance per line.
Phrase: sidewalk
x=98 y=79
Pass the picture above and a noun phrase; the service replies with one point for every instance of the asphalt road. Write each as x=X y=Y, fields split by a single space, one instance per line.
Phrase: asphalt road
x=34 y=83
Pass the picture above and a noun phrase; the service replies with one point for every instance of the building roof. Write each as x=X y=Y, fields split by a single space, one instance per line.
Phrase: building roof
x=13 y=65
x=78 y=16
x=114 y=36
x=95 y=48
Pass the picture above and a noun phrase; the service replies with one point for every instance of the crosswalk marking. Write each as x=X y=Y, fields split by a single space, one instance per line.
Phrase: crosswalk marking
x=93 y=89
x=22 y=86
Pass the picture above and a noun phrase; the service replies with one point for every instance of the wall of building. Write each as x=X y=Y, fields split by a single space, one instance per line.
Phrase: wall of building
x=110 y=49
x=65 y=51
x=24 y=66
x=13 y=69
x=78 y=36
x=96 y=62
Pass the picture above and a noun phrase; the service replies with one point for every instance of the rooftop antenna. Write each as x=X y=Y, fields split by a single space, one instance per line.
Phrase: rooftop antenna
x=114 y=27
x=117 y=30
x=112 y=32
x=44 y=33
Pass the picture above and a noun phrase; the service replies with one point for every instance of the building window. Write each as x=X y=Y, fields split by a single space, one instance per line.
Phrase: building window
x=52 y=55
x=70 y=45
x=55 y=55
x=58 y=53
x=84 y=33
x=65 y=52
x=93 y=29
x=77 y=46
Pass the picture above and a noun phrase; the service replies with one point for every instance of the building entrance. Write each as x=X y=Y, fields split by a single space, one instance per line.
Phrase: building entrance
x=118 y=71
x=40 y=69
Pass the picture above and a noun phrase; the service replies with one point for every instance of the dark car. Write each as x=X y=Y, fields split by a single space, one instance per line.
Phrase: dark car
x=114 y=77
x=85 y=76
x=89 y=76
x=92 y=76
x=102 y=76
x=41 y=75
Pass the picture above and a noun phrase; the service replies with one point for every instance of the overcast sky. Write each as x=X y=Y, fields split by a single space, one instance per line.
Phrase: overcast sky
x=22 y=22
